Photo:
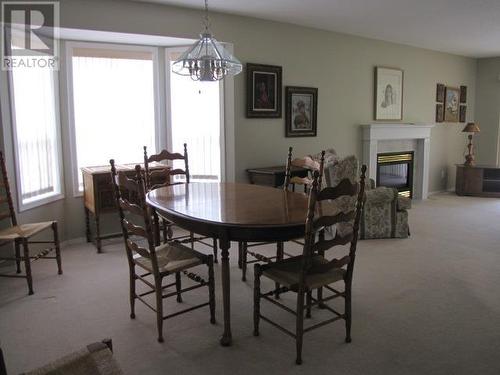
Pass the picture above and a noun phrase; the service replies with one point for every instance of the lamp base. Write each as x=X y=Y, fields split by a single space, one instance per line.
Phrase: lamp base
x=469 y=161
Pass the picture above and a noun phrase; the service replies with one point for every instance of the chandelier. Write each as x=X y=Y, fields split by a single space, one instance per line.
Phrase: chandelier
x=207 y=59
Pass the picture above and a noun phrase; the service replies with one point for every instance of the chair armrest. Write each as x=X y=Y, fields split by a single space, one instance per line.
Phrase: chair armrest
x=380 y=196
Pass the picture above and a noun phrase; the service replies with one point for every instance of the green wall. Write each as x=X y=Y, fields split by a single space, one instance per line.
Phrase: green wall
x=339 y=65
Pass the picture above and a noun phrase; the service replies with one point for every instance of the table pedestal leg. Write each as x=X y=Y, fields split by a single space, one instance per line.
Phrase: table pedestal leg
x=226 y=290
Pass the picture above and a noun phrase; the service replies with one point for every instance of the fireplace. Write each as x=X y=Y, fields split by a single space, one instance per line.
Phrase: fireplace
x=395 y=169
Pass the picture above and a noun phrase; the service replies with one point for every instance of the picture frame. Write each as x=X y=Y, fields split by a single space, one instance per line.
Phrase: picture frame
x=439 y=112
x=440 y=88
x=389 y=84
x=451 y=104
x=463 y=113
x=463 y=94
x=301 y=111
x=264 y=91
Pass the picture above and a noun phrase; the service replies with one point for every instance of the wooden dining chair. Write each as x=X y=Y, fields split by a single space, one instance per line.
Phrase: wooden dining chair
x=21 y=234
x=290 y=184
x=312 y=270
x=159 y=178
x=158 y=262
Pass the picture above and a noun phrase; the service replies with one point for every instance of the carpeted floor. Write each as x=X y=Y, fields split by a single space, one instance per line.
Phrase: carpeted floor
x=426 y=305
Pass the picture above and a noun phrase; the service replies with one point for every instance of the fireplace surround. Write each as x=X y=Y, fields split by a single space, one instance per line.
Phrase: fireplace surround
x=388 y=137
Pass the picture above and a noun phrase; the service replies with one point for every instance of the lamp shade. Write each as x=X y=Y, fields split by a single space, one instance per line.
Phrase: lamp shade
x=471 y=127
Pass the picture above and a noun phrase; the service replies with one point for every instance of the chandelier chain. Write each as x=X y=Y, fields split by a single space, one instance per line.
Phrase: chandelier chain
x=206 y=20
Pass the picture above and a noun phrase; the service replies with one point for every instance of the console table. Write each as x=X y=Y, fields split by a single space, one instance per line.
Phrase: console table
x=273 y=176
x=479 y=180
x=98 y=197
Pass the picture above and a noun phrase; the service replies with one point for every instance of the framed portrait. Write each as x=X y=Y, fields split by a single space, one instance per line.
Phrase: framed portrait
x=451 y=104
x=439 y=112
x=463 y=113
x=263 y=91
x=440 y=88
x=388 y=93
x=463 y=94
x=301 y=111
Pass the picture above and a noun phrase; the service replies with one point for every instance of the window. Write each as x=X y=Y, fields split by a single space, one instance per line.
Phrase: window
x=195 y=118
x=36 y=136
x=113 y=113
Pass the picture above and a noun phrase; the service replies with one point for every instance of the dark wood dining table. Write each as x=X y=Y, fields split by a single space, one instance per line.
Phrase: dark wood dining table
x=232 y=212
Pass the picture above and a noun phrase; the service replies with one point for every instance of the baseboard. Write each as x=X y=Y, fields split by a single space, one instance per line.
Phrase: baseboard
x=450 y=190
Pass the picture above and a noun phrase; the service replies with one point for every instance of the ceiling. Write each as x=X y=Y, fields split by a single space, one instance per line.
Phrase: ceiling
x=463 y=27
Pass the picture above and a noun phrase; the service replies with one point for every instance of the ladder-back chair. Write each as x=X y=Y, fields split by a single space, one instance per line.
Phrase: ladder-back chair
x=20 y=234
x=289 y=184
x=159 y=178
x=158 y=262
x=311 y=270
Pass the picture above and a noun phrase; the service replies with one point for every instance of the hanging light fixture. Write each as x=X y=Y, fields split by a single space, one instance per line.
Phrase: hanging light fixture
x=207 y=59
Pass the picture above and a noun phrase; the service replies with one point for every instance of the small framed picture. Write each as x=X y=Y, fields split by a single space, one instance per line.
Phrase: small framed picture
x=440 y=88
x=439 y=112
x=451 y=105
x=301 y=111
x=463 y=94
x=388 y=93
x=263 y=91
x=463 y=113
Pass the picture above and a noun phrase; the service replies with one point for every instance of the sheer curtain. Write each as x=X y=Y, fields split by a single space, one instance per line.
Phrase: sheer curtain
x=114 y=109
x=36 y=133
x=196 y=120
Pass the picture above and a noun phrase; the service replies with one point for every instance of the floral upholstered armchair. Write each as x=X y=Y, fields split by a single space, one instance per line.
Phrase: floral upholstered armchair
x=385 y=214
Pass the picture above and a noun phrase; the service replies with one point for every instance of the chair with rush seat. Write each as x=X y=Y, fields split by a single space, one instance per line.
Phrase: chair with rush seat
x=158 y=262
x=312 y=270
x=158 y=178
x=290 y=184
x=21 y=234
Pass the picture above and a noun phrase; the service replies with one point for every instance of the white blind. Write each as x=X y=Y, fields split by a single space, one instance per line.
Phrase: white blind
x=113 y=106
x=36 y=133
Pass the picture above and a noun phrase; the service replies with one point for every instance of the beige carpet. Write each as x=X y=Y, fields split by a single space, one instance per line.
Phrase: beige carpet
x=426 y=305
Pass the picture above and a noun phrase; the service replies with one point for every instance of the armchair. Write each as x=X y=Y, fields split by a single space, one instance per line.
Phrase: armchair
x=385 y=213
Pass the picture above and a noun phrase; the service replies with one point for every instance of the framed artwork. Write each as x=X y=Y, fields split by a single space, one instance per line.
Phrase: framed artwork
x=301 y=111
x=439 y=112
x=388 y=93
x=440 y=93
x=451 y=105
x=463 y=94
x=263 y=91
x=463 y=113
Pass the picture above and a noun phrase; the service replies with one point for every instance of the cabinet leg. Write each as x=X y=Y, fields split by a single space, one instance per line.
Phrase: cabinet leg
x=97 y=234
x=87 y=225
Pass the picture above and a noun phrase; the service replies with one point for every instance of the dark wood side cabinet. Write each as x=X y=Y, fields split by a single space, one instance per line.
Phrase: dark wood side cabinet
x=273 y=176
x=480 y=180
x=98 y=197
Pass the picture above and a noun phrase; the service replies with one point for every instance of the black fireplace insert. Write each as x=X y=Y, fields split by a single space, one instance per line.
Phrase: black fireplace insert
x=395 y=169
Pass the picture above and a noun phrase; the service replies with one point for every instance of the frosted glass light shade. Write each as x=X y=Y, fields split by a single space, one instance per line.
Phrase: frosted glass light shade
x=207 y=60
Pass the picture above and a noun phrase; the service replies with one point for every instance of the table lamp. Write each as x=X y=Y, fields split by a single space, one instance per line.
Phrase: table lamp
x=470 y=128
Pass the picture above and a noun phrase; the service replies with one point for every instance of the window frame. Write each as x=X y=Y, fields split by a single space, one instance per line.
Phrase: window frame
x=158 y=98
x=59 y=165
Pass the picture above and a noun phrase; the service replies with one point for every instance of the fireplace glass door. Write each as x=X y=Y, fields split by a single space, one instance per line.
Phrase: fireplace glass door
x=396 y=170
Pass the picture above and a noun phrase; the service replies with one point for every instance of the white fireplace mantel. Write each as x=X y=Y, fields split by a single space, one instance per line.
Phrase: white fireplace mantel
x=375 y=133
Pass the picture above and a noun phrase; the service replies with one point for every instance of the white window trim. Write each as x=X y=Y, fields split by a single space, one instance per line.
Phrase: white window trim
x=47 y=198
x=158 y=97
x=226 y=98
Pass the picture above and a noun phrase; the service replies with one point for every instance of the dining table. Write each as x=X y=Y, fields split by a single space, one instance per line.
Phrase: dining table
x=232 y=212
